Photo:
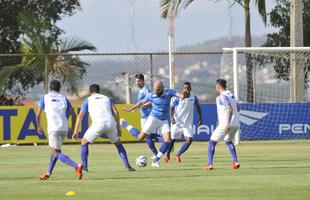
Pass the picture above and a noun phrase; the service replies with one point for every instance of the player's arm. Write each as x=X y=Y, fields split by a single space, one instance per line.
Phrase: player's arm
x=229 y=116
x=238 y=107
x=116 y=117
x=72 y=113
x=39 y=121
x=147 y=104
x=172 y=115
x=135 y=107
x=174 y=102
x=198 y=110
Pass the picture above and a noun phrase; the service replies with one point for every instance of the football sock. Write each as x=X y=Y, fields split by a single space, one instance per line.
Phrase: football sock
x=65 y=159
x=123 y=154
x=51 y=166
x=170 y=147
x=133 y=131
x=232 y=150
x=162 y=150
x=150 y=143
x=184 y=147
x=211 y=150
x=84 y=155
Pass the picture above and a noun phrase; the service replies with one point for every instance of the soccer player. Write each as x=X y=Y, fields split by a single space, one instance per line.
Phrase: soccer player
x=144 y=112
x=228 y=124
x=56 y=107
x=158 y=119
x=105 y=119
x=182 y=115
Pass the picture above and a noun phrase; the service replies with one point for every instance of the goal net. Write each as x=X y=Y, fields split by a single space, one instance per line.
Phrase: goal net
x=273 y=88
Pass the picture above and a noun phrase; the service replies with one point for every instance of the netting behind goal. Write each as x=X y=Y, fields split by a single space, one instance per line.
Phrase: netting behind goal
x=273 y=86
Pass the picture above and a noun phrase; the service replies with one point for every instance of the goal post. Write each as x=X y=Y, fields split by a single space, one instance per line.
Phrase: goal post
x=267 y=78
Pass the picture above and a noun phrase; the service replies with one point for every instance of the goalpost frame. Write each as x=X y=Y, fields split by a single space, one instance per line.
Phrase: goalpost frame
x=235 y=52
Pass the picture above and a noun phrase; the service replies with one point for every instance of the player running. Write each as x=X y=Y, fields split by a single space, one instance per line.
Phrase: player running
x=228 y=124
x=144 y=112
x=105 y=119
x=158 y=119
x=182 y=115
x=56 y=107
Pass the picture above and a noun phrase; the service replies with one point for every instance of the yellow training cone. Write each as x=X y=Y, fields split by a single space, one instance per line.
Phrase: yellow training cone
x=71 y=193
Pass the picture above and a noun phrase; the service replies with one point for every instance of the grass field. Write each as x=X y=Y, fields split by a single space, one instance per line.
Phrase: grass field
x=269 y=170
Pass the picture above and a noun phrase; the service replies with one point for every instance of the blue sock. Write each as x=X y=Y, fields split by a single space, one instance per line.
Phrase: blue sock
x=84 y=155
x=133 y=131
x=184 y=147
x=51 y=166
x=162 y=150
x=232 y=150
x=170 y=147
x=211 y=150
x=150 y=143
x=65 y=159
x=123 y=154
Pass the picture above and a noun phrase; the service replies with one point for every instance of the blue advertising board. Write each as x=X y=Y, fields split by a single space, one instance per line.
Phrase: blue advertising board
x=266 y=121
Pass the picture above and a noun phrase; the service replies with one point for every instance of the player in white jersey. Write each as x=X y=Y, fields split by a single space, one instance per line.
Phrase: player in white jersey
x=105 y=119
x=182 y=117
x=228 y=124
x=56 y=107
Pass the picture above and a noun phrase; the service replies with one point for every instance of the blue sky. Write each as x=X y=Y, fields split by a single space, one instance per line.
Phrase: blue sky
x=136 y=25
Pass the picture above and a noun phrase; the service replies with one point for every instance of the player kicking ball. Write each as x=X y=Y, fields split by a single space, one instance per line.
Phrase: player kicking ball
x=228 y=124
x=182 y=115
x=158 y=119
x=56 y=107
x=105 y=119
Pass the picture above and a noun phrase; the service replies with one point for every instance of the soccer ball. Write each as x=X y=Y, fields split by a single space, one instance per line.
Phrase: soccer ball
x=141 y=161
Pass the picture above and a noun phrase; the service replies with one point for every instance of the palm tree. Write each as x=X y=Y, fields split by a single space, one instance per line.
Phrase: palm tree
x=176 y=5
x=44 y=56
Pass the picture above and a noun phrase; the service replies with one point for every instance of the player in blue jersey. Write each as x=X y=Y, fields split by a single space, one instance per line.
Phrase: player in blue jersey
x=158 y=118
x=228 y=124
x=144 y=112
x=182 y=116
x=105 y=119
x=56 y=107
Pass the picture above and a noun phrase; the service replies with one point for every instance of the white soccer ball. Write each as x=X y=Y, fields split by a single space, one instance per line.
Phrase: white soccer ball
x=141 y=161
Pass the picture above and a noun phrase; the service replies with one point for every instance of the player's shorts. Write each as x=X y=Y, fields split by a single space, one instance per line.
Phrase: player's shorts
x=152 y=125
x=56 y=139
x=95 y=131
x=143 y=120
x=177 y=129
x=219 y=134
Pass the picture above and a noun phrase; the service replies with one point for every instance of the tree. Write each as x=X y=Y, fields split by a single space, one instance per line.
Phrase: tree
x=43 y=56
x=176 y=5
x=280 y=19
x=52 y=11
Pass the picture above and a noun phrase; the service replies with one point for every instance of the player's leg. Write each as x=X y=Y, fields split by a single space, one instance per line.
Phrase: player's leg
x=175 y=130
x=149 y=139
x=90 y=136
x=231 y=147
x=111 y=132
x=217 y=135
x=165 y=129
x=188 y=134
x=132 y=130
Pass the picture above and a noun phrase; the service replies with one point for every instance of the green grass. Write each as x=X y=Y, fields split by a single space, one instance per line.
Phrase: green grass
x=269 y=170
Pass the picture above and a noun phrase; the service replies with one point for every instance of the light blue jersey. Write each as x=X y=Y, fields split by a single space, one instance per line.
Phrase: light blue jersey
x=161 y=104
x=145 y=111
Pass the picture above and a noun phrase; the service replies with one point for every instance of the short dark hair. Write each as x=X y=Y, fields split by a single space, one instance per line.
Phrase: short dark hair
x=187 y=83
x=55 y=85
x=94 y=88
x=222 y=83
x=139 y=76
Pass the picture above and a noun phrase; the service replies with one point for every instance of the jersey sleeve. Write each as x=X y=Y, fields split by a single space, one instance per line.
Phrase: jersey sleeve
x=148 y=97
x=41 y=104
x=172 y=93
x=224 y=100
x=84 y=106
x=174 y=102
x=69 y=106
x=196 y=102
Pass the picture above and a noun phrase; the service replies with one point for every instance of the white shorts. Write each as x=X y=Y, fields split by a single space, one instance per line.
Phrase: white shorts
x=152 y=125
x=219 y=134
x=56 y=139
x=177 y=129
x=143 y=120
x=108 y=128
